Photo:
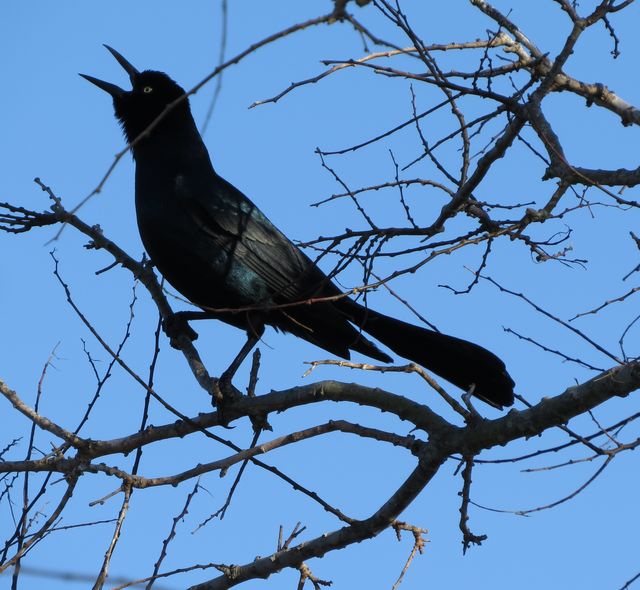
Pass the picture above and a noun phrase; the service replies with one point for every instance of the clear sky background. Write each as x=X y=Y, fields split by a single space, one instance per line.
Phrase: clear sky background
x=60 y=128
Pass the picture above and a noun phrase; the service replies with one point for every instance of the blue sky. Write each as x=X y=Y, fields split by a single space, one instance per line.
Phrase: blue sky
x=60 y=128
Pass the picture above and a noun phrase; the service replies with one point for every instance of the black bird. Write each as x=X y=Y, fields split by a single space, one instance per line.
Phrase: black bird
x=219 y=250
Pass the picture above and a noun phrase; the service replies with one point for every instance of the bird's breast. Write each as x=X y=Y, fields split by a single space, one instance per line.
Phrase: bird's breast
x=201 y=266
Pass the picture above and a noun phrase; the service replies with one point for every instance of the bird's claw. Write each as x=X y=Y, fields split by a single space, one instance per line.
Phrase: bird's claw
x=225 y=390
x=223 y=393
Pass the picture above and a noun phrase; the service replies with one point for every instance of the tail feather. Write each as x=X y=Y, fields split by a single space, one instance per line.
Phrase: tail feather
x=460 y=362
x=325 y=326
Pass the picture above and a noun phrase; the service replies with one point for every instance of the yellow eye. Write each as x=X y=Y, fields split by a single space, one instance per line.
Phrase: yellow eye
x=147 y=89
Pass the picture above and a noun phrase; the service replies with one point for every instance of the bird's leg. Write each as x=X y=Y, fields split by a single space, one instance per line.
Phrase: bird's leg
x=225 y=378
x=253 y=337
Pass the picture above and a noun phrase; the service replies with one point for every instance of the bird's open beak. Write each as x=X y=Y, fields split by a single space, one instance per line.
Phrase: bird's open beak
x=112 y=89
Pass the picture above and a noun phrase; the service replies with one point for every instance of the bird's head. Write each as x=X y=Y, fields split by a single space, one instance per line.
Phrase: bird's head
x=151 y=93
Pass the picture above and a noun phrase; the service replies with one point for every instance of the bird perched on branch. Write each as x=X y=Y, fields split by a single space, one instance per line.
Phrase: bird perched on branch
x=213 y=245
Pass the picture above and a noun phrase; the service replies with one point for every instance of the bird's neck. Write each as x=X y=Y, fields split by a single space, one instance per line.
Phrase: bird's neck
x=172 y=144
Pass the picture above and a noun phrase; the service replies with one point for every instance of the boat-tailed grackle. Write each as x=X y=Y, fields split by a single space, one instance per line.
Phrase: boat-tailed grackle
x=219 y=250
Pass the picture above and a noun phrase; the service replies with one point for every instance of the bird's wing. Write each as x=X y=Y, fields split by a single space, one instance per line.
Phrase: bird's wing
x=233 y=223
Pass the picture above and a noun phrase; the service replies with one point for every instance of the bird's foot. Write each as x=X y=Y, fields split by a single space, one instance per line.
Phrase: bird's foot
x=225 y=389
x=224 y=393
x=176 y=327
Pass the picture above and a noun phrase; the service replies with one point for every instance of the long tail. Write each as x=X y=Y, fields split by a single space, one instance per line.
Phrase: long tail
x=460 y=362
